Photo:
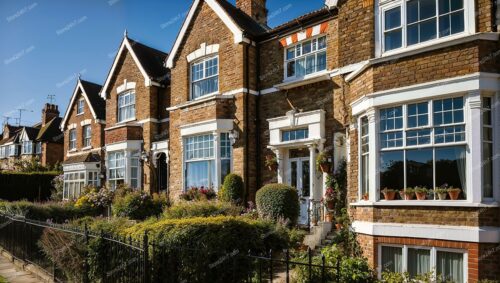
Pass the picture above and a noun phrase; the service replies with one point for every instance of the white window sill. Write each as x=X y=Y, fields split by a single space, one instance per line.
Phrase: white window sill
x=125 y=121
x=308 y=79
x=199 y=100
x=80 y=114
x=73 y=150
x=87 y=148
x=444 y=203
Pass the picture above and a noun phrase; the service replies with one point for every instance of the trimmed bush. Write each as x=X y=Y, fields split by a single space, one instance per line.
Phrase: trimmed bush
x=58 y=212
x=35 y=186
x=278 y=201
x=201 y=209
x=232 y=190
x=137 y=205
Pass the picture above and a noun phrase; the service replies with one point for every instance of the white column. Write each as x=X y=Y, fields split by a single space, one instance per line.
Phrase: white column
x=312 y=173
x=373 y=157
x=128 y=162
x=474 y=170
x=281 y=165
x=216 y=179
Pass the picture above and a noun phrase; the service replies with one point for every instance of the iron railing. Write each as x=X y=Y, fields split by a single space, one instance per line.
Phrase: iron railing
x=126 y=260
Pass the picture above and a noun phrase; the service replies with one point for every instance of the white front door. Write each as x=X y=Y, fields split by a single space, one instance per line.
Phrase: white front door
x=299 y=177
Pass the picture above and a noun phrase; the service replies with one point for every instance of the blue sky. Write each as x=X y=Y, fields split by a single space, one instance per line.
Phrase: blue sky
x=46 y=43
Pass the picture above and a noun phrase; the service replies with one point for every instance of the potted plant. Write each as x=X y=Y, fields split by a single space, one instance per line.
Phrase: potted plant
x=389 y=194
x=339 y=222
x=330 y=198
x=366 y=196
x=454 y=193
x=441 y=192
x=272 y=162
x=421 y=193
x=407 y=194
x=328 y=217
x=322 y=162
x=314 y=220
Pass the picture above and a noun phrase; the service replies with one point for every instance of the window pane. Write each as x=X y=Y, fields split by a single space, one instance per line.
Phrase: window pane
x=418 y=137
x=321 y=61
x=487 y=170
x=456 y=4
x=457 y=22
x=290 y=53
x=197 y=174
x=444 y=26
x=322 y=43
x=419 y=261
x=300 y=67
x=412 y=34
x=427 y=9
x=412 y=11
x=428 y=30
x=419 y=168
x=450 y=266
x=306 y=47
x=365 y=177
x=392 y=259
x=444 y=6
x=392 y=18
x=450 y=167
x=225 y=168
x=393 y=40
x=392 y=170
x=290 y=69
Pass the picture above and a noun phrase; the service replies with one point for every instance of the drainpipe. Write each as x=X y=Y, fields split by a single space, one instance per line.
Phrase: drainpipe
x=257 y=122
x=246 y=127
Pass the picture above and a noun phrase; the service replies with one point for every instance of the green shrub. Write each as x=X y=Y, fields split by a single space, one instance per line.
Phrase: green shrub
x=278 y=201
x=196 y=194
x=36 y=186
x=58 y=212
x=201 y=209
x=232 y=190
x=137 y=205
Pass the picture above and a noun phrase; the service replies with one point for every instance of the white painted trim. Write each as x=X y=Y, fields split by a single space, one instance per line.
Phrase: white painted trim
x=240 y=90
x=269 y=90
x=429 y=90
x=201 y=100
x=127 y=145
x=429 y=231
x=85 y=122
x=309 y=79
x=209 y=126
x=79 y=86
x=125 y=86
x=81 y=166
x=203 y=51
x=424 y=203
x=126 y=44
x=72 y=126
x=314 y=121
x=226 y=19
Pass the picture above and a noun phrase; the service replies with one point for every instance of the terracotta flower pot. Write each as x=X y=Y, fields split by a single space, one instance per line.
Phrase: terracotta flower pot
x=454 y=194
x=328 y=217
x=325 y=167
x=390 y=195
x=409 y=196
x=330 y=204
x=442 y=196
x=421 y=196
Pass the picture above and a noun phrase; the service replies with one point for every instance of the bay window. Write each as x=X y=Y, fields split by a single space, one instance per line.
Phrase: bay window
x=448 y=265
x=420 y=147
x=406 y=23
x=72 y=139
x=205 y=77
x=27 y=147
x=126 y=107
x=134 y=169
x=75 y=182
x=305 y=58
x=124 y=167
x=87 y=136
x=202 y=168
x=14 y=150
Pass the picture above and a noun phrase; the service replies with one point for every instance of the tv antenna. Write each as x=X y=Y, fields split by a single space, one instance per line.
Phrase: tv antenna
x=51 y=98
x=21 y=110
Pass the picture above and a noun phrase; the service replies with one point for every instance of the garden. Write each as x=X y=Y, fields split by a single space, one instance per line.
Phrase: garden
x=204 y=236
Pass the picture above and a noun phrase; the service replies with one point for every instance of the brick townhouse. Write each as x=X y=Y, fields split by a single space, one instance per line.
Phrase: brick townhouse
x=42 y=141
x=117 y=133
x=406 y=91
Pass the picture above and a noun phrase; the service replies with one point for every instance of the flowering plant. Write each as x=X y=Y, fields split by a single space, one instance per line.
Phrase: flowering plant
x=201 y=193
x=330 y=194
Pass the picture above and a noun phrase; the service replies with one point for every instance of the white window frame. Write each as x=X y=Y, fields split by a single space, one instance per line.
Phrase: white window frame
x=295 y=130
x=2 y=152
x=80 y=106
x=27 y=148
x=73 y=182
x=38 y=148
x=87 y=136
x=493 y=125
x=130 y=106
x=72 y=139
x=313 y=52
x=203 y=61
x=363 y=190
x=112 y=156
x=432 y=145
x=13 y=150
x=469 y=27
x=433 y=259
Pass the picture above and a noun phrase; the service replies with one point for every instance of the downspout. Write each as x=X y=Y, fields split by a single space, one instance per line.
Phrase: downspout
x=246 y=127
x=257 y=121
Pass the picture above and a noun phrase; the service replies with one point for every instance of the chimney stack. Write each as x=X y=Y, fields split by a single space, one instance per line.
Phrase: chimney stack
x=49 y=112
x=256 y=9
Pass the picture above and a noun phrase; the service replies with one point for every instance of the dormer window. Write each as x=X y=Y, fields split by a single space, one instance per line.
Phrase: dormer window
x=305 y=58
x=80 y=107
x=410 y=23
x=204 y=77
x=126 y=107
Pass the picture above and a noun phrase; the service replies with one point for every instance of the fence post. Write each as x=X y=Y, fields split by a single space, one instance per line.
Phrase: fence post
x=271 y=265
x=309 y=266
x=323 y=268
x=287 y=266
x=146 y=257
x=86 y=261
x=25 y=225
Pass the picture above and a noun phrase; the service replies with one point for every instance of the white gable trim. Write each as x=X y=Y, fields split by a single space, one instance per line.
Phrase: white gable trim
x=79 y=86
x=203 y=51
x=125 y=44
x=125 y=86
x=237 y=32
x=24 y=136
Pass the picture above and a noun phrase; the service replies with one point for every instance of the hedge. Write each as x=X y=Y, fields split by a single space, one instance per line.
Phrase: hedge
x=26 y=186
x=278 y=201
x=56 y=212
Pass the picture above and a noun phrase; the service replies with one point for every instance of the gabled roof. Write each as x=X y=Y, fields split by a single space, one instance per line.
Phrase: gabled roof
x=31 y=132
x=14 y=138
x=148 y=60
x=90 y=92
x=239 y=23
x=51 y=132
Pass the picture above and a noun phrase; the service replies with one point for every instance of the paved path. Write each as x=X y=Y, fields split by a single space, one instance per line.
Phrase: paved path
x=13 y=274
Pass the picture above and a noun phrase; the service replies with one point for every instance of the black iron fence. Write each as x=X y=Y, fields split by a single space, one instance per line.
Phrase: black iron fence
x=77 y=255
